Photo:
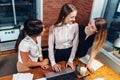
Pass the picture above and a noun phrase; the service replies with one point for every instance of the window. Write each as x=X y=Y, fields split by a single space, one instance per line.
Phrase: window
x=112 y=15
x=13 y=12
x=6 y=13
x=117 y=10
x=16 y=11
x=25 y=9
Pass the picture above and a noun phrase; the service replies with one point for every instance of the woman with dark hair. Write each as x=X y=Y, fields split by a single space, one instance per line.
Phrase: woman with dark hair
x=28 y=46
x=92 y=36
x=63 y=37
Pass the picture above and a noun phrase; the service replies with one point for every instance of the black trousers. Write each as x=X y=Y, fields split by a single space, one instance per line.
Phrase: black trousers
x=62 y=54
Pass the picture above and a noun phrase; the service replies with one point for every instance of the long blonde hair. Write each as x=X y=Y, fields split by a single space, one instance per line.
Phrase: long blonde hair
x=100 y=36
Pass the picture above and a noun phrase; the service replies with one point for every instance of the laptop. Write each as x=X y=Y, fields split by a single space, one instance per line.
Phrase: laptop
x=66 y=74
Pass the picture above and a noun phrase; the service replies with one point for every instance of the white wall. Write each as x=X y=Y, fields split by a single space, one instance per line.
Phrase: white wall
x=98 y=8
x=39 y=9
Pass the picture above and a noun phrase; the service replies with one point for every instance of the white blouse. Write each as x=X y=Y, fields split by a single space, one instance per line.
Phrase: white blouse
x=28 y=45
x=65 y=36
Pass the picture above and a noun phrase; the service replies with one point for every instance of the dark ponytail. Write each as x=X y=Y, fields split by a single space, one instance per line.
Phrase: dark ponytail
x=20 y=37
x=32 y=27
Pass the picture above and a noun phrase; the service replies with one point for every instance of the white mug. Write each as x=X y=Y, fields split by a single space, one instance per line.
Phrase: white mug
x=83 y=70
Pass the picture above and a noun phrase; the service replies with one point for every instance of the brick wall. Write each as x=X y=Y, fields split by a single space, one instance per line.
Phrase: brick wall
x=52 y=8
x=84 y=10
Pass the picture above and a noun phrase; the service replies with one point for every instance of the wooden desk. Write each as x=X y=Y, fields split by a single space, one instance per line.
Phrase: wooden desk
x=104 y=72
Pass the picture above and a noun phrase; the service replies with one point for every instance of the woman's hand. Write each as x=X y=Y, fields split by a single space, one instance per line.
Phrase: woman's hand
x=45 y=64
x=41 y=58
x=46 y=61
x=56 y=67
x=45 y=67
x=89 y=67
x=70 y=64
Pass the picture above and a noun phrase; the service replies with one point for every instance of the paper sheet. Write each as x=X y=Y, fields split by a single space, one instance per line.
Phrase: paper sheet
x=41 y=78
x=22 y=76
x=99 y=79
x=95 y=63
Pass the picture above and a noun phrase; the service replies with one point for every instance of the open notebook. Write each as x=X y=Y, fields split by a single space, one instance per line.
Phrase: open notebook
x=95 y=63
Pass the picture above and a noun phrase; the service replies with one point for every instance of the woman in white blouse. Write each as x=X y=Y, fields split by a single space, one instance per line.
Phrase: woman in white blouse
x=28 y=46
x=63 y=38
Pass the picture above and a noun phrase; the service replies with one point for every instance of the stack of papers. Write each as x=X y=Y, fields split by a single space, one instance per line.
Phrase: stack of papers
x=23 y=76
x=95 y=63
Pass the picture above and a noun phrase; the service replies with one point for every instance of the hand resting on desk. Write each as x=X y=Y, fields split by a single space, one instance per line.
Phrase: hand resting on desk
x=57 y=67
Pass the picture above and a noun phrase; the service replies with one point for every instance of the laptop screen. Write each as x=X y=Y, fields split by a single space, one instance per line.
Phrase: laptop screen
x=9 y=35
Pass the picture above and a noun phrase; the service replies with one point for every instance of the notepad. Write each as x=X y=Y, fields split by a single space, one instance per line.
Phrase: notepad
x=95 y=63
x=22 y=76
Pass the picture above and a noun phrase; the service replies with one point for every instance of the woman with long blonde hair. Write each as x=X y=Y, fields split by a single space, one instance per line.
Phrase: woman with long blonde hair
x=92 y=36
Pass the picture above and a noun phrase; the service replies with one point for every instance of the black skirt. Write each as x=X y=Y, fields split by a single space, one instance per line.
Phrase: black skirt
x=62 y=54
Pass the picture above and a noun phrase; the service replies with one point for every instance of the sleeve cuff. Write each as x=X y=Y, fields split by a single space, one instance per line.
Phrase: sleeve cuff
x=70 y=60
x=40 y=55
x=53 y=63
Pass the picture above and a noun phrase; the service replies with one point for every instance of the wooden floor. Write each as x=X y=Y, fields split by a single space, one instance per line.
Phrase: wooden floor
x=105 y=70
